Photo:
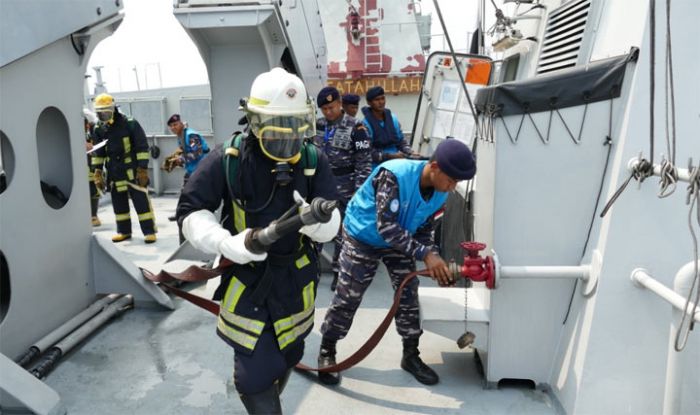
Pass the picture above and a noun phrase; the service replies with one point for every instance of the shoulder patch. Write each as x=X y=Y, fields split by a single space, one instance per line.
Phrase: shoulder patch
x=394 y=205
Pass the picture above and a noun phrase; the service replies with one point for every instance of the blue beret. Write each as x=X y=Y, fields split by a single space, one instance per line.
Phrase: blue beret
x=351 y=99
x=327 y=95
x=173 y=118
x=455 y=159
x=374 y=92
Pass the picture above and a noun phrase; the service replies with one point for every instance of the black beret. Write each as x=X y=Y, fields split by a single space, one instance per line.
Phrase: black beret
x=374 y=92
x=174 y=118
x=455 y=159
x=351 y=99
x=327 y=95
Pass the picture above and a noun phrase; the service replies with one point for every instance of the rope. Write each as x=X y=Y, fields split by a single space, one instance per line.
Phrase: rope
x=692 y=199
x=641 y=171
x=669 y=177
x=669 y=89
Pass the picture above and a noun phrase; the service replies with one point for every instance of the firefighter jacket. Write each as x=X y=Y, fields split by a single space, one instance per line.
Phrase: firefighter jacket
x=280 y=291
x=126 y=149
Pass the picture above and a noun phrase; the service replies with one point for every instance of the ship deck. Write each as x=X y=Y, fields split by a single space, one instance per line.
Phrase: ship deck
x=153 y=361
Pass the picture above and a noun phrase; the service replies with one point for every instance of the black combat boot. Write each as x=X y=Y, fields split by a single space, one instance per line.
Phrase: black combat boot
x=265 y=402
x=414 y=365
x=326 y=357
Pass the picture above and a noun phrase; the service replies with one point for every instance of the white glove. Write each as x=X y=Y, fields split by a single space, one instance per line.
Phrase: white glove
x=320 y=232
x=234 y=249
x=206 y=234
x=323 y=232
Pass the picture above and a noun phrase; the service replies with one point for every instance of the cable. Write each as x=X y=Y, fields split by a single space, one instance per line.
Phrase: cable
x=652 y=84
x=459 y=69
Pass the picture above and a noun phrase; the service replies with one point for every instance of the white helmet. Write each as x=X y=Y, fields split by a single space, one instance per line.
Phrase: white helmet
x=280 y=114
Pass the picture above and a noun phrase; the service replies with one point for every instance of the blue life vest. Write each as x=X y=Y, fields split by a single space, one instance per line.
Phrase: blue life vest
x=384 y=135
x=361 y=214
x=190 y=166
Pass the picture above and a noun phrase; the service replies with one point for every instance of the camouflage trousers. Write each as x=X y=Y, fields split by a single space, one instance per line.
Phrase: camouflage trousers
x=346 y=188
x=358 y=265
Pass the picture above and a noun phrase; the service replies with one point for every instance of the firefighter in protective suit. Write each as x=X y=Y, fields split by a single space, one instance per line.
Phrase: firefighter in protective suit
x=267 y=300
x=125 y=156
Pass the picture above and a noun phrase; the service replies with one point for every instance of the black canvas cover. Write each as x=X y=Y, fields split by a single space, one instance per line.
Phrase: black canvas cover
x=597 y=81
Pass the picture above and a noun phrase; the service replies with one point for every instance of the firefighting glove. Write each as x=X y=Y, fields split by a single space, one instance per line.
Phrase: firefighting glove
x=142 y=176
x=98 y=179
x=320 y=232
x=206 y=234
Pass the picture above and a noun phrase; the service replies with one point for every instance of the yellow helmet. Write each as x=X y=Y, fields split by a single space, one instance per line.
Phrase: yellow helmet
x=104 y=107
x=104 y=101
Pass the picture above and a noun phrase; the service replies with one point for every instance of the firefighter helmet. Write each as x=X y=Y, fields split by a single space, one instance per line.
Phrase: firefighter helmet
x=280 y=114
x=104 y=107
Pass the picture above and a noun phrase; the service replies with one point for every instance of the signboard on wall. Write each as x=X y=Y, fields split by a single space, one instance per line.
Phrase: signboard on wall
x=150 y=114
x=391 y=85
x=197 y=113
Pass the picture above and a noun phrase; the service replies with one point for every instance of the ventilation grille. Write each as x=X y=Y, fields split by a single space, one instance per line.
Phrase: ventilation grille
x=563 y=36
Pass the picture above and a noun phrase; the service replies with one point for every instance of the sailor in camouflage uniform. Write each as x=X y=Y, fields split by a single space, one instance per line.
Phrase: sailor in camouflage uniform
x=391 y=218
x=345 y=142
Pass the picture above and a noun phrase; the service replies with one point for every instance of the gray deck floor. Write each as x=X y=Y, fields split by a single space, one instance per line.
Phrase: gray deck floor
x=150 y=361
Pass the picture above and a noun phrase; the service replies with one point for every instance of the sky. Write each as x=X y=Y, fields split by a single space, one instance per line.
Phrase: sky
x=150 y=45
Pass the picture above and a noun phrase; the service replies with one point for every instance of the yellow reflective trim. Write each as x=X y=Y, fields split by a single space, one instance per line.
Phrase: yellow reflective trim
x=236 y=336
x=308 y=295
x=287 y=323
x=253 y=326
x=142 y=155
x=257 y=101
x=238 y=218
x=127 y=160
x=97 y=161
x=302 y=262
x=283 y=324
x=146 y=216
x=127 y=144
x=122 y=216
x=285 y=339
x=236 y=287
x=121 y=189
x=130 y=174
x=91 y=175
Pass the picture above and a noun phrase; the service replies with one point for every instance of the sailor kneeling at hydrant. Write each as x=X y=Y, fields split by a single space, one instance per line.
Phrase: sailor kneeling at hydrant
x=391 y=218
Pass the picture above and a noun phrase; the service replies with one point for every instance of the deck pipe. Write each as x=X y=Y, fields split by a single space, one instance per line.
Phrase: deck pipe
x=574 y=272
x=63 y=330
x=675 y=362
x=54 y=354
x=642 y=279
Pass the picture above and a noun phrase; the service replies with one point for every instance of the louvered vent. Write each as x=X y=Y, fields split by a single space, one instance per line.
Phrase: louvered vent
x=563 y=36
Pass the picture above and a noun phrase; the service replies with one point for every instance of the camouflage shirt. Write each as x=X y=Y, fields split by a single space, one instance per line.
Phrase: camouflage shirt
x=386 y=189
x=347 y=147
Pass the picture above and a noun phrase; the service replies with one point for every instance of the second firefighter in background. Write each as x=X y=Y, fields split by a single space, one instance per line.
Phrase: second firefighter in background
x=125 y=157
x=344 y=140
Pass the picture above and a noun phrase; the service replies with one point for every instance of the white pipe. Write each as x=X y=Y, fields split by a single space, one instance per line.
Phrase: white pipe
x=676 y=361
x=683 y=174
x=642 y=279
x=581 y=271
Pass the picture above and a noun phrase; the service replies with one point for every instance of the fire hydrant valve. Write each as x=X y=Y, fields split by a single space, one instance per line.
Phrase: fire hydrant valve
x=475 y=267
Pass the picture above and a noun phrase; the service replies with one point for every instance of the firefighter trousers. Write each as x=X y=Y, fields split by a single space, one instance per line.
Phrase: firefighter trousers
x=142 y=204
